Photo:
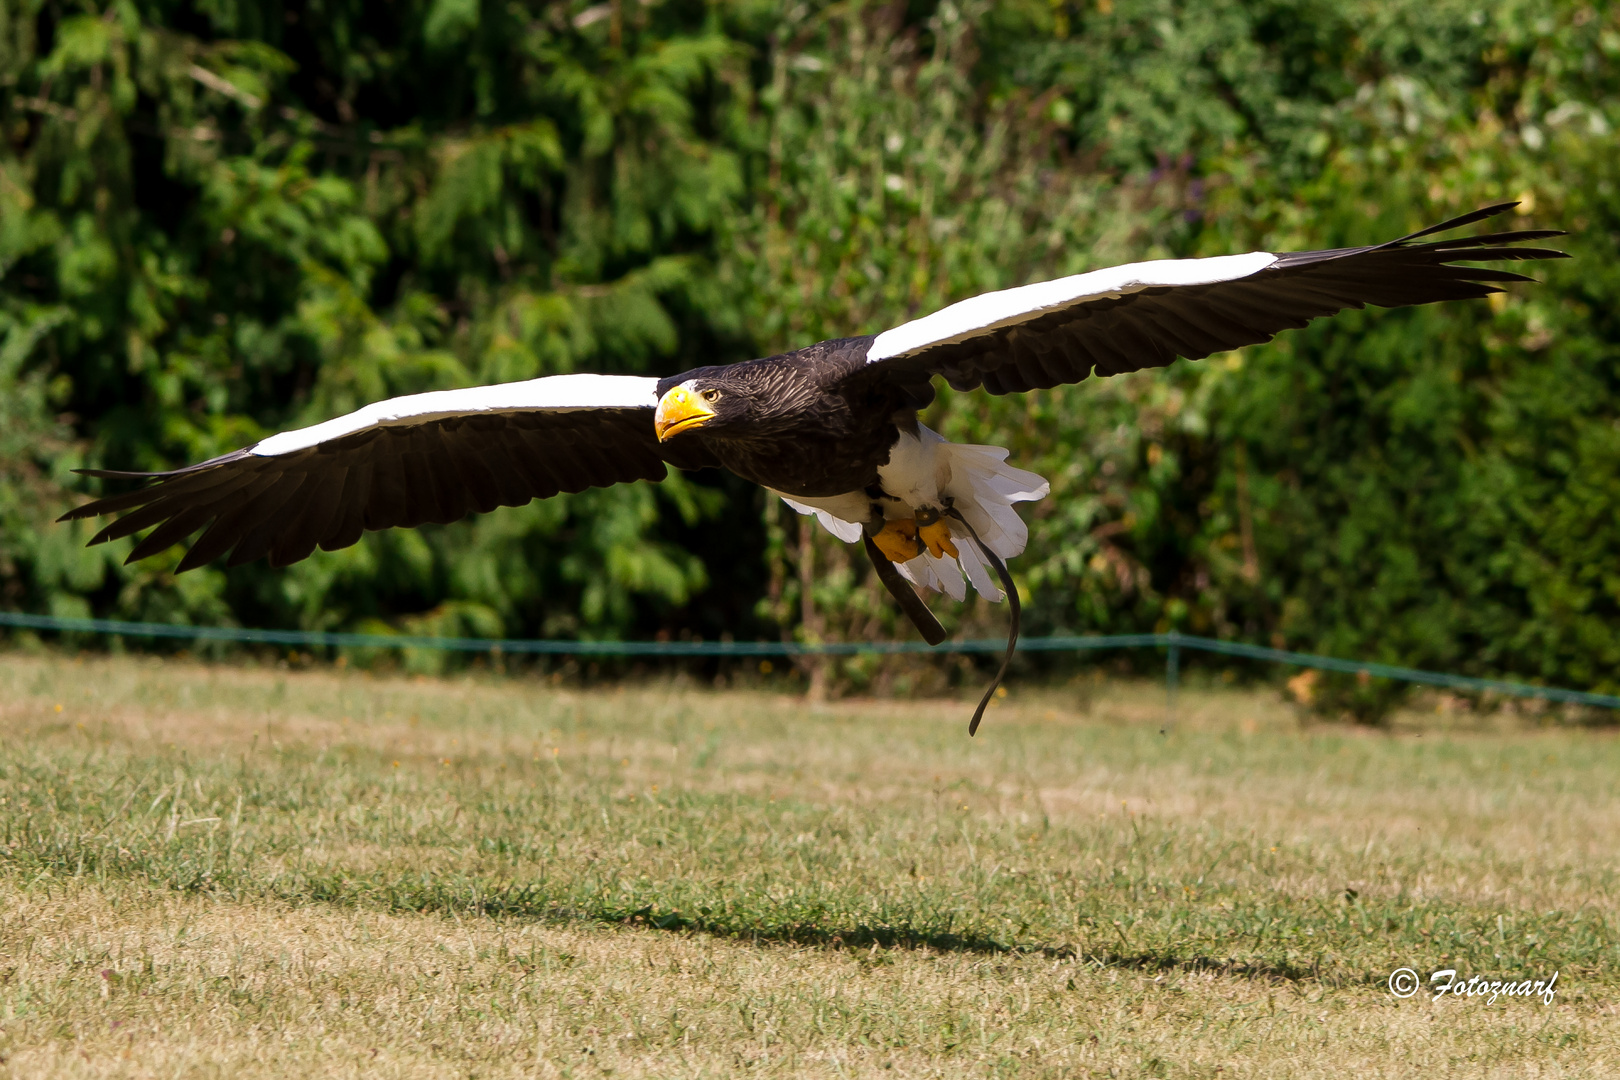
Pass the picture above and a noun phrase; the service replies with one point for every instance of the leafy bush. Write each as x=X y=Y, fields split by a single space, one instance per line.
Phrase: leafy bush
x=221 y=220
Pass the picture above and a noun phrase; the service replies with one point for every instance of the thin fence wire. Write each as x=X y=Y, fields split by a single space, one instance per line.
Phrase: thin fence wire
x=1173 y=643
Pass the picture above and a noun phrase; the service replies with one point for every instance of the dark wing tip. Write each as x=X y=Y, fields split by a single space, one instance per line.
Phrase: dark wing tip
x=185 y=470
x=119 y=474
x=1458 y=222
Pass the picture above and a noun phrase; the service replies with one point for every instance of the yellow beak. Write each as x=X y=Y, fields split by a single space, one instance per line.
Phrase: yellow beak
x=680 y=410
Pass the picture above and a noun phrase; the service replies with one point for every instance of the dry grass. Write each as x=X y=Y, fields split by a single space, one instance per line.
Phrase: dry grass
x=223 y=871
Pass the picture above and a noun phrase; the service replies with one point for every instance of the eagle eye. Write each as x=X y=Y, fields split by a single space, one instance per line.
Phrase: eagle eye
x=711 y=395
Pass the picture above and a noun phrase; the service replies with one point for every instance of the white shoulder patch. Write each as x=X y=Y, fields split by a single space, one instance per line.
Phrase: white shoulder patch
x=554 y=393
x=991 y=311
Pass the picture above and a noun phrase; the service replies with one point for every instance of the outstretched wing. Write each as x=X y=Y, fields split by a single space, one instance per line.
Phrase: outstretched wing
x=1147 y=314
x=401 y=462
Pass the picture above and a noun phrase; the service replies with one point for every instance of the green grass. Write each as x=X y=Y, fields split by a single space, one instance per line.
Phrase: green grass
x=248 y=871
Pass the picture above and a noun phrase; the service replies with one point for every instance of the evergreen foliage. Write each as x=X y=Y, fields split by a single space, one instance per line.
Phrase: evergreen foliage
x=222 y=219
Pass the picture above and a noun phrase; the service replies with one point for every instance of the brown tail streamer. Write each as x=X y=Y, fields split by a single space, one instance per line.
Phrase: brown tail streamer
x=1017 y=616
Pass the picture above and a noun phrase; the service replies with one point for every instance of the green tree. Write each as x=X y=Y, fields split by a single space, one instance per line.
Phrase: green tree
x=273 y=215
x=218 y=220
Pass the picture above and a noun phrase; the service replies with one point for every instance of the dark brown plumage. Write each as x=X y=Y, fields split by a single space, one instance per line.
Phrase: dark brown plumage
x=812 y=423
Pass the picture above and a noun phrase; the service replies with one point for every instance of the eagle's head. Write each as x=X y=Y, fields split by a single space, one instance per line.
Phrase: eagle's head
x=731 y=400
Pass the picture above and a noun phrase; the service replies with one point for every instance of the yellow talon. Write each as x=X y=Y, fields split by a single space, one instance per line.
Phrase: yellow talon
x=898 y=540
x=938 y=538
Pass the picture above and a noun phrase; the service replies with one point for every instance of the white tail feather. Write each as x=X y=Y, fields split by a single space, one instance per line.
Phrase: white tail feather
x=930 y=472
x=992 y=487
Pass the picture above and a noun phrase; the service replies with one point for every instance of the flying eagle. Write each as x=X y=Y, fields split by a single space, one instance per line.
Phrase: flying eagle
x=832 y=428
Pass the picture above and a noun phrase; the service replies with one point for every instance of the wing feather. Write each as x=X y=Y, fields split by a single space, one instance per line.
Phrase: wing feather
x=570 y=475
x=445 y=499
x=351 y=520
x=228 y=527
x=185 y=522
x=115 y=503
x=485 y=489
x=1147 y=314
x=386 y=508
x=160 y=503
x=264 y=520
x=402 y=462
x=528 y=462
x=495 y=452
x=320 y=504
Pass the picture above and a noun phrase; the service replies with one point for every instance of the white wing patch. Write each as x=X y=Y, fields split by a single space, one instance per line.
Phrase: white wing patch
x=554 y=393
x=991 y=311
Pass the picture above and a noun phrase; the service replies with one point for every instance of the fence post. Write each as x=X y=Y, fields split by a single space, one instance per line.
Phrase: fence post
x=1172 y=671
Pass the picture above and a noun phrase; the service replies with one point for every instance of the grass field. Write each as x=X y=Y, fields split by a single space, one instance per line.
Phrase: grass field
x=238 y=872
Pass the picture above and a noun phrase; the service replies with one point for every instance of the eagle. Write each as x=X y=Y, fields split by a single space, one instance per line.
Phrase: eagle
x=832 y=428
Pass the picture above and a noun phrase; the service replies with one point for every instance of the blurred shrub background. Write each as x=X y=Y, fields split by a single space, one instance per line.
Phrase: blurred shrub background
x=221 y=218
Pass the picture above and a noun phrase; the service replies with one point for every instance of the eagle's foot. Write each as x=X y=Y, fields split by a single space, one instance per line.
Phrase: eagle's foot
x=937 y=536
x=898 y=540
